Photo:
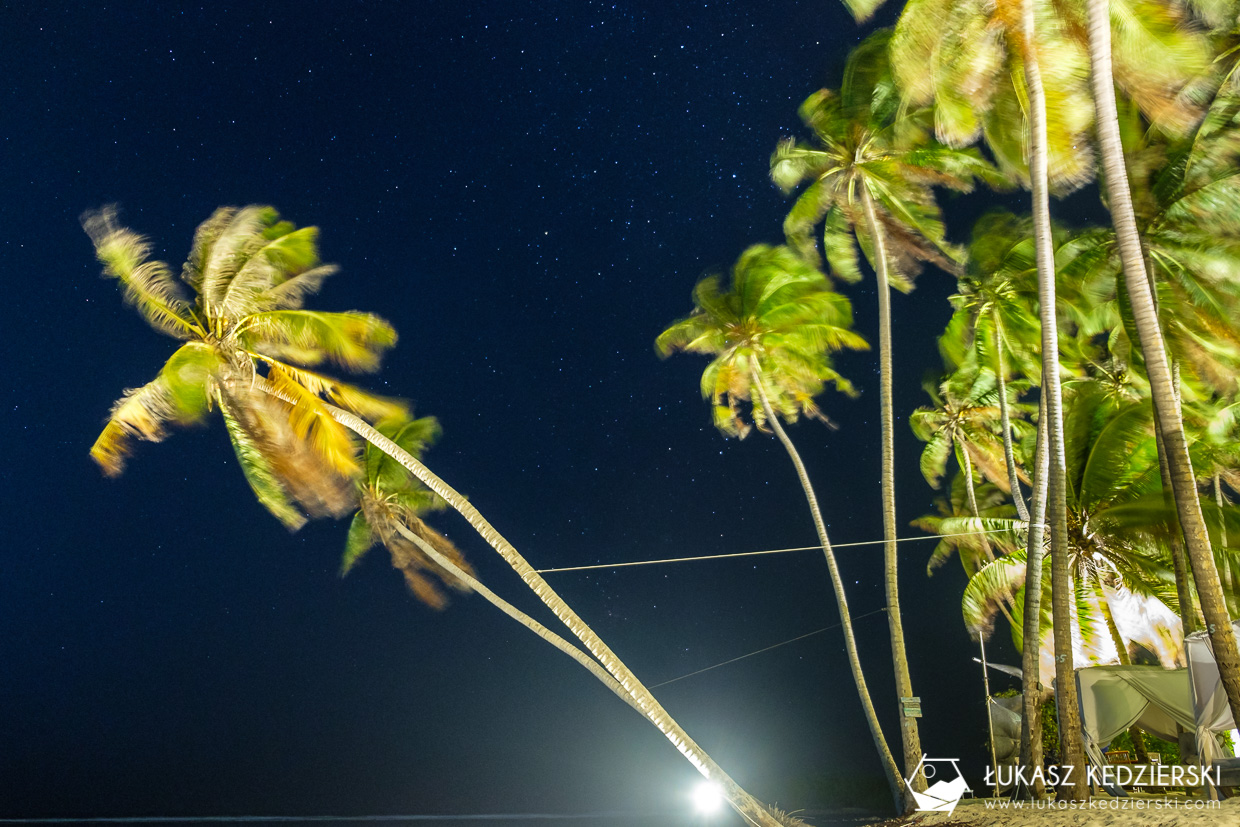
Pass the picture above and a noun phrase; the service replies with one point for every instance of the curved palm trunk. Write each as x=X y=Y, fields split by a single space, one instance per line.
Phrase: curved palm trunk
x=1072 y=751
x=971 y=495
x=752 y=810
x=850 y=643
x=1005 y=419
x=1030 y=655
x=910 y=738
x=1170 y=423
x=520 y=616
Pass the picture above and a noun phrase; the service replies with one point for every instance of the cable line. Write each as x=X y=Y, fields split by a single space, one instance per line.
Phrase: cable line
x=768 y=551
x=768 y=648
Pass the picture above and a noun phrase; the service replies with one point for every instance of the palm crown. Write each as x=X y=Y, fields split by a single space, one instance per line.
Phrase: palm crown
x=248 y=274
x=390 y=505
x=778 y=314
x=866 y=144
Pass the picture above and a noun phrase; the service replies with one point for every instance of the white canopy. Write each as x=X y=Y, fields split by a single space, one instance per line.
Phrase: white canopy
x=1213 y=714
x=1113 y=698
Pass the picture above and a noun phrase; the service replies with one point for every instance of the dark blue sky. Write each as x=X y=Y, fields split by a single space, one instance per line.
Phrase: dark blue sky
x=528 y=192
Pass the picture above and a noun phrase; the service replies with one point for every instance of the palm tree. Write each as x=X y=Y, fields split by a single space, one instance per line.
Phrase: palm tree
x=869 y=179
x=391 y=504
x=769 y=332
x=389 y=500
x=1019 y=62
x=994 y=323
x=1149 y=331
x=962 y=423
x=249 y=274
x=290 y=426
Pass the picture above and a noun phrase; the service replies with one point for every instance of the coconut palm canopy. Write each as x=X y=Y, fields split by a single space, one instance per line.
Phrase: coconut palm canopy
x=779 y=310
x=237 y=306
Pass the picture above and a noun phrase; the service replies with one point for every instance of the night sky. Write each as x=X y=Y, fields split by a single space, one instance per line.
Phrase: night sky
x=528 y=192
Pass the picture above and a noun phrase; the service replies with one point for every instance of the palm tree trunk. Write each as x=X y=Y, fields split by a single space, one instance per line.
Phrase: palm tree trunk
x=1218 y=501
x=910 y=738
x=752 y=810
x=1031 y=648
x=1005 y=421
x=1190 y=616
x=1170 y=423
x=966 y=467
x=850 y=644
x=1072 y=751
x=520 y=616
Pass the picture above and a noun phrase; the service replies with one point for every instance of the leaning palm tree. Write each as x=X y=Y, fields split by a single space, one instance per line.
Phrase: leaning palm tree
x=868 y=178
x=248 y=345
x=1145 y=317
x=770 y=331
x=237 y=309
x=391 y=504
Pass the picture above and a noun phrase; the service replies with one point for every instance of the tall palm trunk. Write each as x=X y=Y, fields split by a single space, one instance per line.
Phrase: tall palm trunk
x=1031 y=649
x=841 y=600
x=752 y=810
x=1072 y=751
x=966 y=468
x=1005 y=420
x=1170 y=423
x=521 y=617
x=1190 y=616
x=910 y=738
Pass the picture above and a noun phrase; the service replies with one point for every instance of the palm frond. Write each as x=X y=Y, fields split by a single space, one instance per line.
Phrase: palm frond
x=258 y=471
x=351 y=340
x=148 y=285
x=359 y=540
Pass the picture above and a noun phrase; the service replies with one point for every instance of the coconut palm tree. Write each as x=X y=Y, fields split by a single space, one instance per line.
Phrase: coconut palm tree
x=770 y=331
x=994 y=322
x=962 y=423
x=391 y=504
x=868 y=179
x=1145 y=318
x=237 y=308
x=389 y=500
x=247 y=342
x=1019 y=63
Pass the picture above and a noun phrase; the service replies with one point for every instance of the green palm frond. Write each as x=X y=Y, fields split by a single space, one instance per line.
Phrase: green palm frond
x=177 y=396
x=148 y=285
x=258 y=471
x=994 y=583
x=353 y=341
x=361 y=539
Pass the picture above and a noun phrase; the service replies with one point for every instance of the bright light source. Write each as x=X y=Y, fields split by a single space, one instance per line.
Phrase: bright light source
x=708 y=798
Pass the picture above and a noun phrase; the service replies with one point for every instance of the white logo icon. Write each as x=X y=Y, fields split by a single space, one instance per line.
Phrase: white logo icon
x=943 y=794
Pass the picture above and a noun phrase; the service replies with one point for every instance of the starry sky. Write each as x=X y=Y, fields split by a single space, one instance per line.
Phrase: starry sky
x=528 y=192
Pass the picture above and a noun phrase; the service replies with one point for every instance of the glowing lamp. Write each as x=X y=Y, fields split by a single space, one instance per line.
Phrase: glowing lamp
x=708 y=798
